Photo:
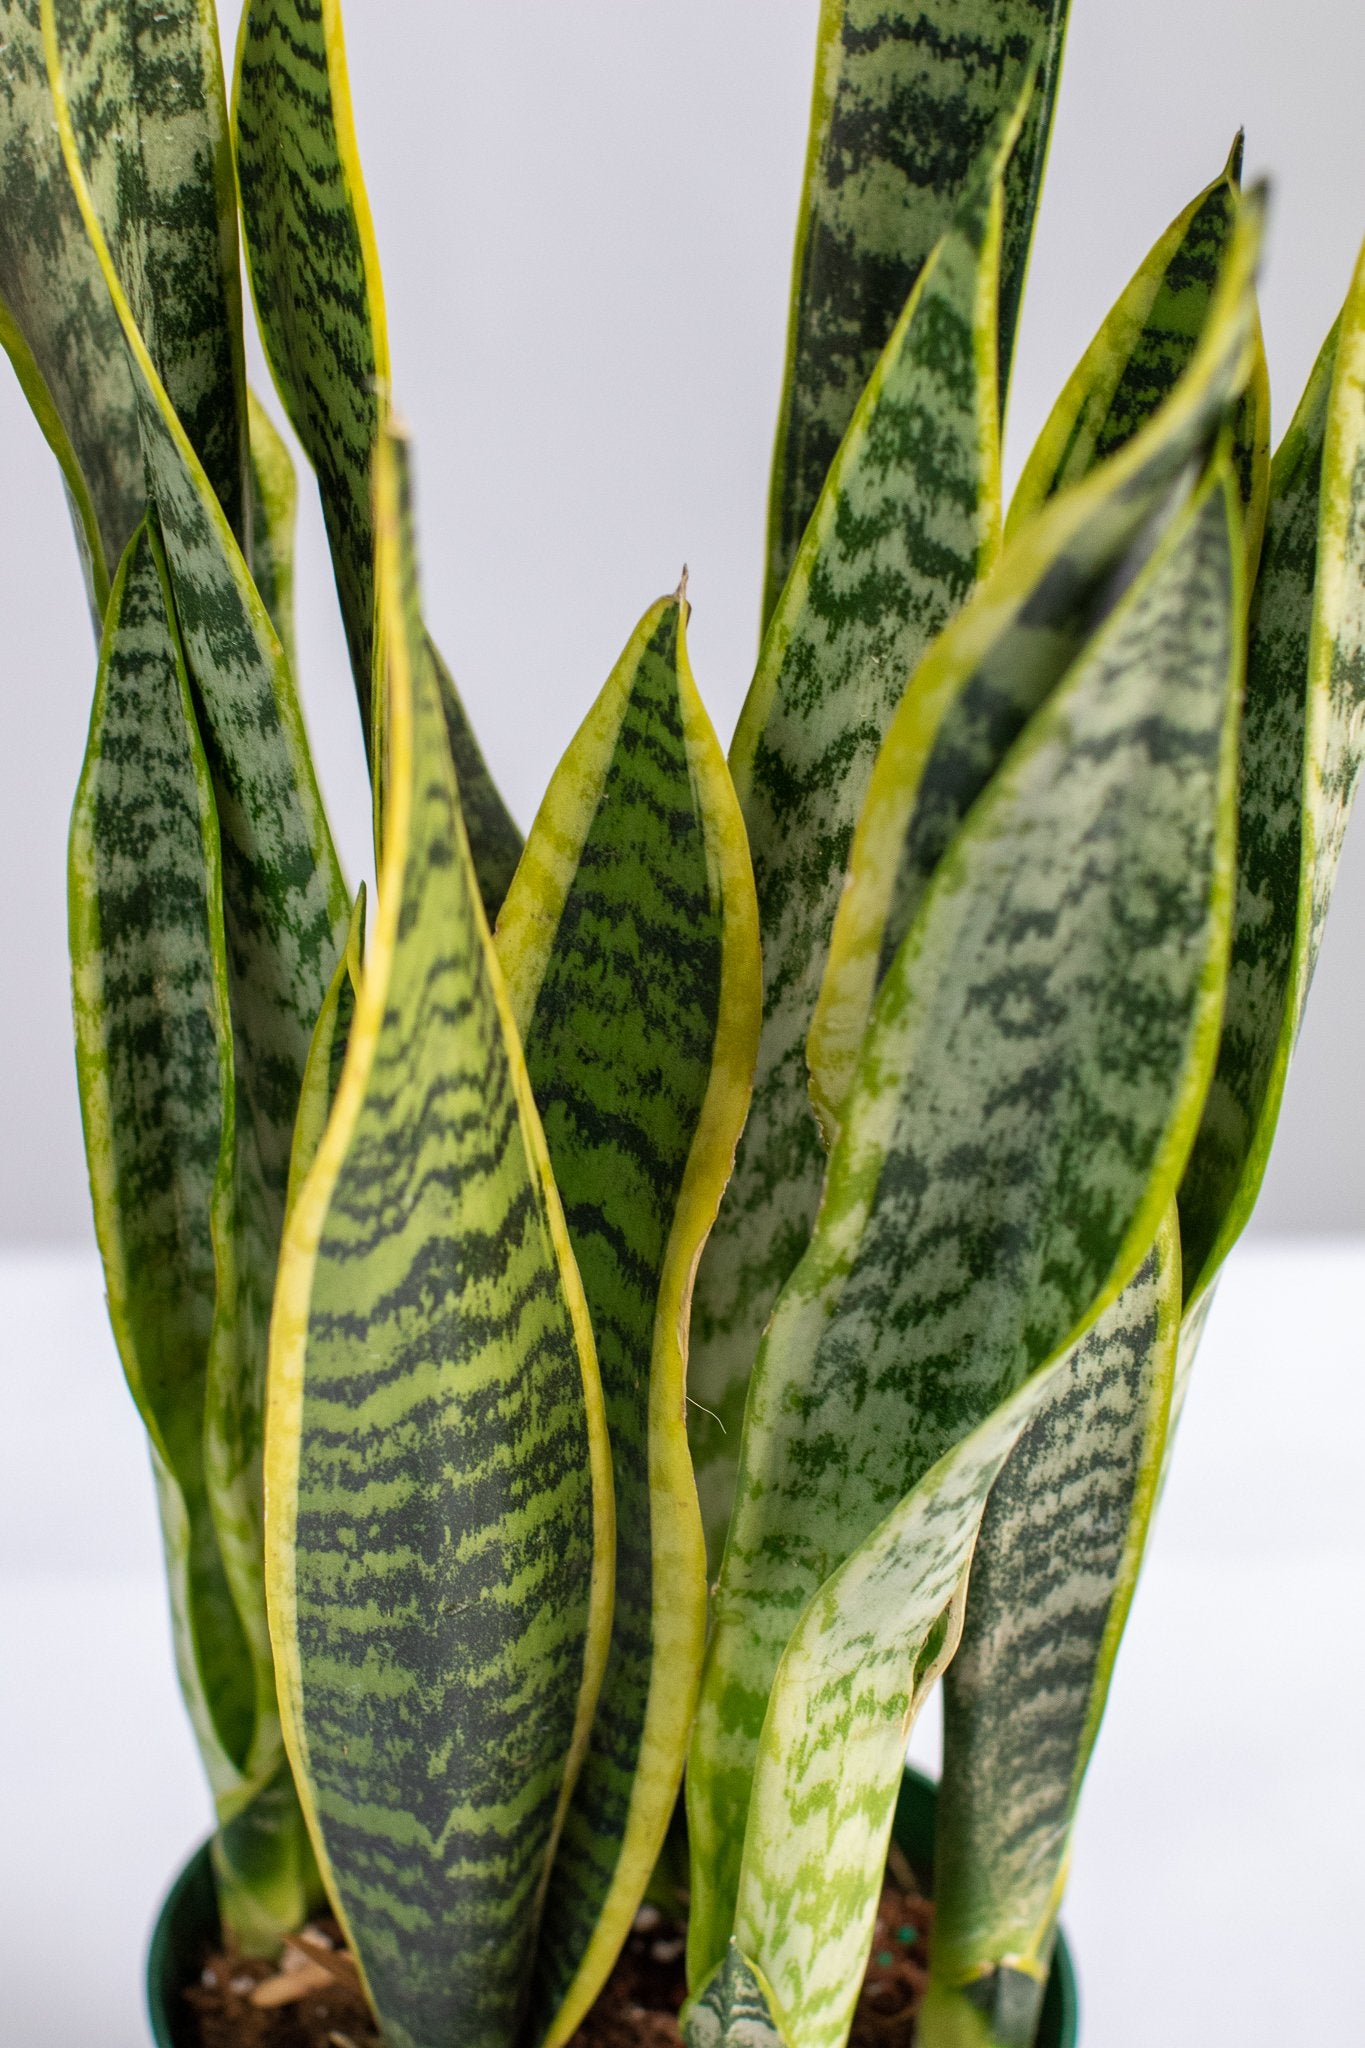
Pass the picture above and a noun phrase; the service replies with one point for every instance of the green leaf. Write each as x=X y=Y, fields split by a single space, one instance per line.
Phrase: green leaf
x=1002 y=656
x=56 y=321
x=144 y=91
x=274 y=504
x=1052 y=1577
x=315 y=277
x=1143 y=349
x=908 y=520
x=154 y=1061
x=285 y=906
x=440 y=1516
x=1023 y=1107
x=905 y=101
x=733 y=2010
x=1304 y=739
x=630 y=945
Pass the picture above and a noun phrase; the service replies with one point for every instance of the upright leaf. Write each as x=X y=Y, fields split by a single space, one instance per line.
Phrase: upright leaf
x=1145 y=346
x=144 y=90
x=1301 y=756
x=908 y=519
x=285 y=907
x=1052 y=1577
x=998 y=661
x=154 y=1061
x=630 y=945
x=440 y=1515
x=1022 y=1109
x=56 y=319
x=314 y=272
x=905 y=100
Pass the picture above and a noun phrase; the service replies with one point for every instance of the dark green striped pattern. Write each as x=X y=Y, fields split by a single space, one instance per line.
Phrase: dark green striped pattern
x=1270 y=837
x=154 y=1059
x=905 y=98
x=285 y=906
x=619 y=1049
x=1304 y=740
x=145 y=88
x=315 y=277
x=155 y=1066
x=274 y=504
x=908 y=521
x=1019 y=1115
x=999 y=660
x=732 y=2010
x=433 y=1470
x=55 y=317
x=1052 y=1576
x=307 y=262
x=1144 y=347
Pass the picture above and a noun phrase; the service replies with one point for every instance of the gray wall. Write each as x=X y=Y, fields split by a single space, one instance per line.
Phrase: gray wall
x=585 y=212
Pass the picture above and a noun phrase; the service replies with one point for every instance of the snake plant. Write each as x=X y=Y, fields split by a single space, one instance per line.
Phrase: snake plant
x=625 y=1313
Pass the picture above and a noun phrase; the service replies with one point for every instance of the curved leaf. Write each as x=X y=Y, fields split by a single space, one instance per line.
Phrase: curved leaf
x=908 y=520
x=154 y=1060
x=999 y=660
x=630 y=945
x=314 y=272
x=905 y=101
x=1053 y=1573
x=1024 y=1104
x=1303 y=745
x=439 y=1531
x=286 y=909
x=56 y=320
x=160 y=179
x=1142 y=350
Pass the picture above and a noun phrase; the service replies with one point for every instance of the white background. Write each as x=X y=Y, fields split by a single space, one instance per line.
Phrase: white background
x=585 y=211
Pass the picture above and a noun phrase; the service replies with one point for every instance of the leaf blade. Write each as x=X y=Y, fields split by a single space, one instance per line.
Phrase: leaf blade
x=907 y=1324
x=630 y=945
x=904 y=102
x=1053 y=1573
x=909 y=518
x=391 y=1553
x=999 y=660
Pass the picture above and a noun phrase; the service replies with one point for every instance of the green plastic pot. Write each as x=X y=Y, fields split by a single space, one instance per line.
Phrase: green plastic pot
x=187 y=1930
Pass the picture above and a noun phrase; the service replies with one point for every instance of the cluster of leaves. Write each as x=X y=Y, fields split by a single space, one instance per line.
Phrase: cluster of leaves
x=1004 y=908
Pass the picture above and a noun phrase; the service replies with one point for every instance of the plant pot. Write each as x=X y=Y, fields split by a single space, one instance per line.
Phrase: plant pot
x=187 y=1929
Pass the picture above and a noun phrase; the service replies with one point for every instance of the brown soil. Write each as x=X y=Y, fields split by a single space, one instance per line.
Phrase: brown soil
x=314 y=2000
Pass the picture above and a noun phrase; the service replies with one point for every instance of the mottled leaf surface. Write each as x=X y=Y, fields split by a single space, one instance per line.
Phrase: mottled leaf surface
x=999 y=660
x=1304 y=730
x=144 y=88
x=315 y=277
x=285 y=907
x=440 y=1532
x=905 y=99
x=56 y=319
x=1023 y=1106
x=1052 y=1577
x=1144 y=347
x=154 y=1061
x=909 y=519
x=630 y=945
x=732 y=2010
